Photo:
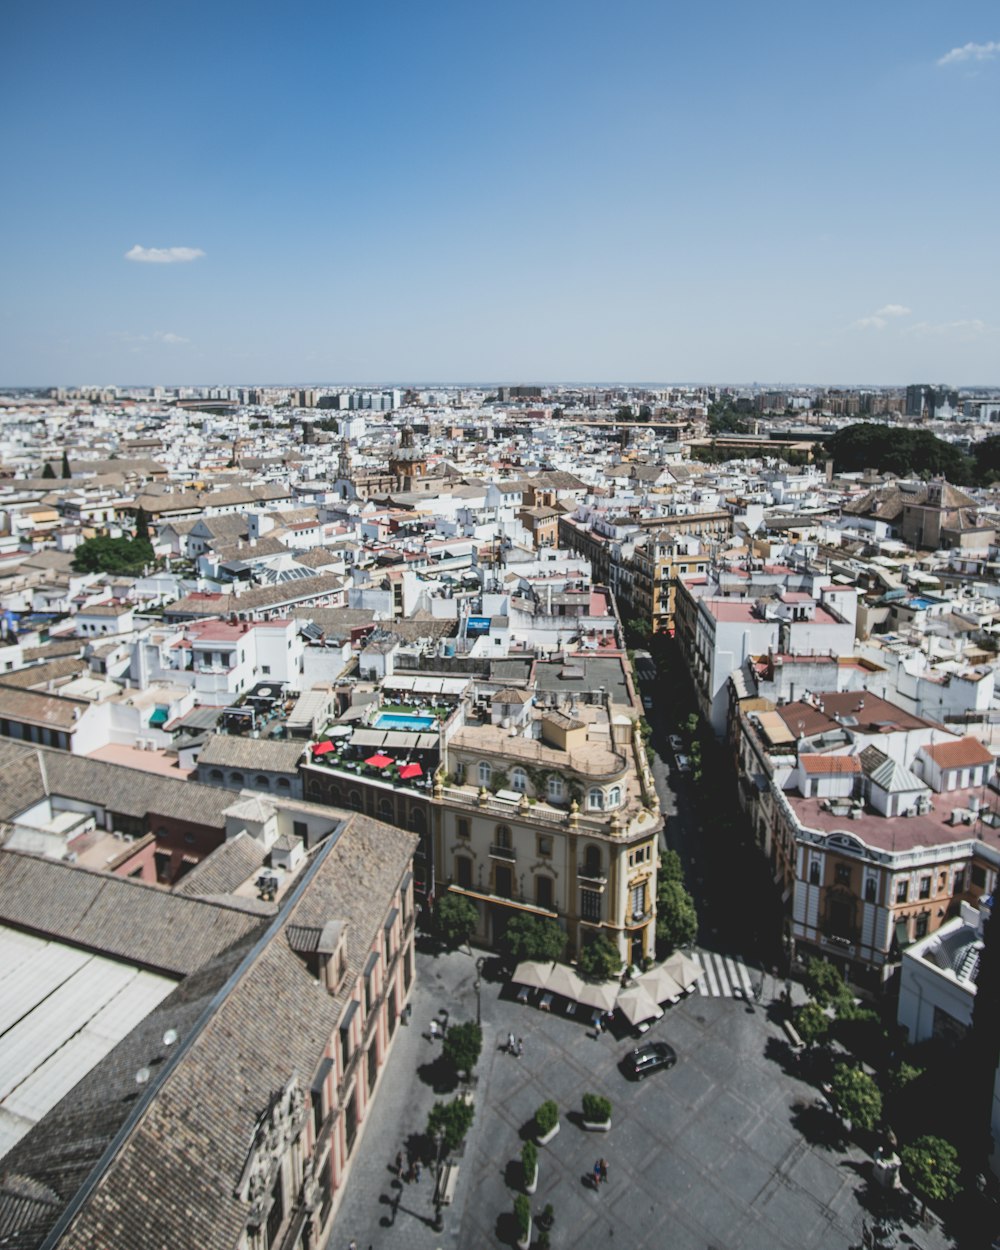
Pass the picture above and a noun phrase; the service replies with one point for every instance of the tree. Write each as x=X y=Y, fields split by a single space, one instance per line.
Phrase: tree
x=931 y=1167
x=676 y=918
x=534 y=937
x=825 y=984
x=66 y=471
x=599 y=958
x=113 y=555
x=48 y=472
x=522 y=1217
x=451 y=1121
x=462 y=1046
x=671 y=868
x=456 y=919
x=857 y=1097
x=625 y=413
x=987 y=457
x=897 y=449
x=811 y=1023
x=142 y=525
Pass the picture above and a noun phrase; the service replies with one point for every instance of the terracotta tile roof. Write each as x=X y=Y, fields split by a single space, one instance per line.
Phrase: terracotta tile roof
x=965 y=753
x=830 y=765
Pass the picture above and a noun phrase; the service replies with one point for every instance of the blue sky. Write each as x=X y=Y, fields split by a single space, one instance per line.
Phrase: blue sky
x=514 y=191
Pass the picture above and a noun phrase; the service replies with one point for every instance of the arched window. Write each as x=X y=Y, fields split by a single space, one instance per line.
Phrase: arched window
x=418 y=821
x=215 y=774
x=236 y=778
x=385 y=811
x=554 y=789
x=592 y=861
x=354 y=800
x=595 y=799
x=503 y=836
x=261 y=782
x=615 y=796
x=485 y=773
x=518 y=780
x=284 y=783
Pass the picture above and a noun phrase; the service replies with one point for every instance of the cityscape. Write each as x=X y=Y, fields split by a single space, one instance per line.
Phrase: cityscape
x=500 y=627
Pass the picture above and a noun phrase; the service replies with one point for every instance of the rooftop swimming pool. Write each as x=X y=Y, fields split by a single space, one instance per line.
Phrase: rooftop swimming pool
x=400 y=720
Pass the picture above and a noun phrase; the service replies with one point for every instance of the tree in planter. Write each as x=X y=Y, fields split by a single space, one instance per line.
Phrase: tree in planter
x=931 y=1168
x=529 y=1163
x=596 y=1109
x=534 y=937
x=811 y=1023
x=456 y=919
x=857 y=1096
x=451 y=1121
x=826 y=985
x=599 y=958
x=462 y=1046
x=676 y=918
x=522 y=1217
x=546 y=1117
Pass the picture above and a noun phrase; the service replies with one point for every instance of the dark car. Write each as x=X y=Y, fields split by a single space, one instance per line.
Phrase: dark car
x=649 y=1058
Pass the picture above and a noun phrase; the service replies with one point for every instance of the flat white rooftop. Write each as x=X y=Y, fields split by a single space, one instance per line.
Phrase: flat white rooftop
x=61 y=1011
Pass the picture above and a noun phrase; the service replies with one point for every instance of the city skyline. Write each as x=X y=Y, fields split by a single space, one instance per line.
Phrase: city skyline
x=512 y=194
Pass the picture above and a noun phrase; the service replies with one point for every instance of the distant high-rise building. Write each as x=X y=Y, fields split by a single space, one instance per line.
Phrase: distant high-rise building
x=915 y=399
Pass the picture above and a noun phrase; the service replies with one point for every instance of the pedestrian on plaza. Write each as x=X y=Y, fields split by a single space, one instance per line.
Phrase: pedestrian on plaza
x=353 y=1246
x=511 y=1044
x=444 y=1021
x=399 y=1163
x=416 y=1171
x=604 y=1171
x=603 y=1022
x=520 y=1047
x=597 y=1174
x=434 y=1030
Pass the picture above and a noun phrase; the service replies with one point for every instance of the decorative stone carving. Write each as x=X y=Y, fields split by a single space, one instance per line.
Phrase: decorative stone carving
x=277 y=1128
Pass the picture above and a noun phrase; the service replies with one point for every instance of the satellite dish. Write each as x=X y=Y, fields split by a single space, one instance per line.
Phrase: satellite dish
x=142 y=1076
x=170 y=1037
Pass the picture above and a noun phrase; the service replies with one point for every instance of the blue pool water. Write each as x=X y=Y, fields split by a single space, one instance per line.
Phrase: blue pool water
x=399 y=720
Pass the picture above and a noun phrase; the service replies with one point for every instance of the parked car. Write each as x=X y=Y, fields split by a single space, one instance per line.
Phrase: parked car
x=651 y=1057
x=683 y=764
x=676 y=745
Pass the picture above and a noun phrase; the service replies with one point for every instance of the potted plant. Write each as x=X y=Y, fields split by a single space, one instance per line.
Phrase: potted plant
x=522 y=1217
x=547 y=1218
x=529 y=1166
x=547 y=1122
x=596 y=1113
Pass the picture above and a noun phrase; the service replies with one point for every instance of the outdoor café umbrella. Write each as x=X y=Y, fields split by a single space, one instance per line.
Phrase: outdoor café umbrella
x=410 y=770
x=322 y=748
x=341 y=731
x=564 y=981
x=661 y=985
x=378 y=760
x=602 y=996
x=636 y=1005
x=683 y=968
x=531 y=973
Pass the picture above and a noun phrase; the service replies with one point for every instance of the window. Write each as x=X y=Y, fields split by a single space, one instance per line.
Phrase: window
x=544 y=847
x=615 y=796
x=284 y=783
x=354 y=800
x=237 y=779
x=595 y=800
x=189 y=839
x=503 y=836
x=923 y=920
x=215 y=774
x=544 y=892
x=871 y=890
x=978 y=876
x=638 y=893
x=554 y=789
x=485 y=773
x=261 y=782
x=300 y=829
x=925 y=887
x=843 y=874
x=463 y=871
x=814 y=873
x=592 y=861
x=902 y=891
x=959 y=886
x=372 y=1064
x=590 y=905
x=519 y=780
x=463 y=827
x=265 y=669
x=503 y=881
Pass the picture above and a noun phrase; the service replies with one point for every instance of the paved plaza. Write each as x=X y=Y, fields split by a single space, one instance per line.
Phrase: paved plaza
x=724 y=1152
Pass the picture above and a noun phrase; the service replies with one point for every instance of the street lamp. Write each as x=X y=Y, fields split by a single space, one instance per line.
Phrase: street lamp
x=477 y=985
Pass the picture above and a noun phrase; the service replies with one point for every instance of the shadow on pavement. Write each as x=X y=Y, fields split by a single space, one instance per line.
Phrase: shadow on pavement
x=439 y=1074
x=819 y=1126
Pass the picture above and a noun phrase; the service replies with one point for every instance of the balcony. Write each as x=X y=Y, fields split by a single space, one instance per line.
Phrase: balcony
x=591 y=876
x=506 y=853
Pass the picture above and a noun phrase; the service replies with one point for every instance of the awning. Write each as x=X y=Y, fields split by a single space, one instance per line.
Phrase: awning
x=531 y=973
x=410 y=770
x=661 y=985
x=159 y=716
x=637 y=1005
x=601 y=996
x=683 y=968
x=564 y=981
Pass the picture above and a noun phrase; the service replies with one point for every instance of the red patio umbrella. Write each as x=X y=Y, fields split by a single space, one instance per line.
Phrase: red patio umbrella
x=321 y=748
x=410 y=770
x=378 y=760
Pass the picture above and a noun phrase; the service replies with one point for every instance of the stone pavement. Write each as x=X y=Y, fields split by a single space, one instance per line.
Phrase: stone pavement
x=724 y=1152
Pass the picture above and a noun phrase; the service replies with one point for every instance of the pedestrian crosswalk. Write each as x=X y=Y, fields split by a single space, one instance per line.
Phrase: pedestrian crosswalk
x=726 y=976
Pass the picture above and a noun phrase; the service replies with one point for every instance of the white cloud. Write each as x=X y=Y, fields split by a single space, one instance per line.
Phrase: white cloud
x=893 y=310
x=165 y=336
x=972 y=328
x=158 y=336
x=878 y=319
x=971 y=52
x=164 y=255
x=870 y=323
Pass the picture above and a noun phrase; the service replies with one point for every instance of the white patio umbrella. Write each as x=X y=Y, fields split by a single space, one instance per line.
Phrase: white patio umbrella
x=683 y=968
x=661 y=985
x=532 y=973
x=564 y=981
x=637 y=1005
x=602 y=996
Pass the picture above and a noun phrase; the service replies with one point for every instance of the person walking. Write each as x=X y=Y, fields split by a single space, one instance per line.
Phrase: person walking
x=353 y=1246
x=511 y=1044
x=520 y=1047
x=416 y=1171
x=399 y=1163
x=597 y=1174
x=434 y=1030
x=604 y=1171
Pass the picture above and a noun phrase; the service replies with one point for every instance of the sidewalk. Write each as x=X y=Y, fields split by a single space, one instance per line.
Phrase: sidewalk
x=378 y=1210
